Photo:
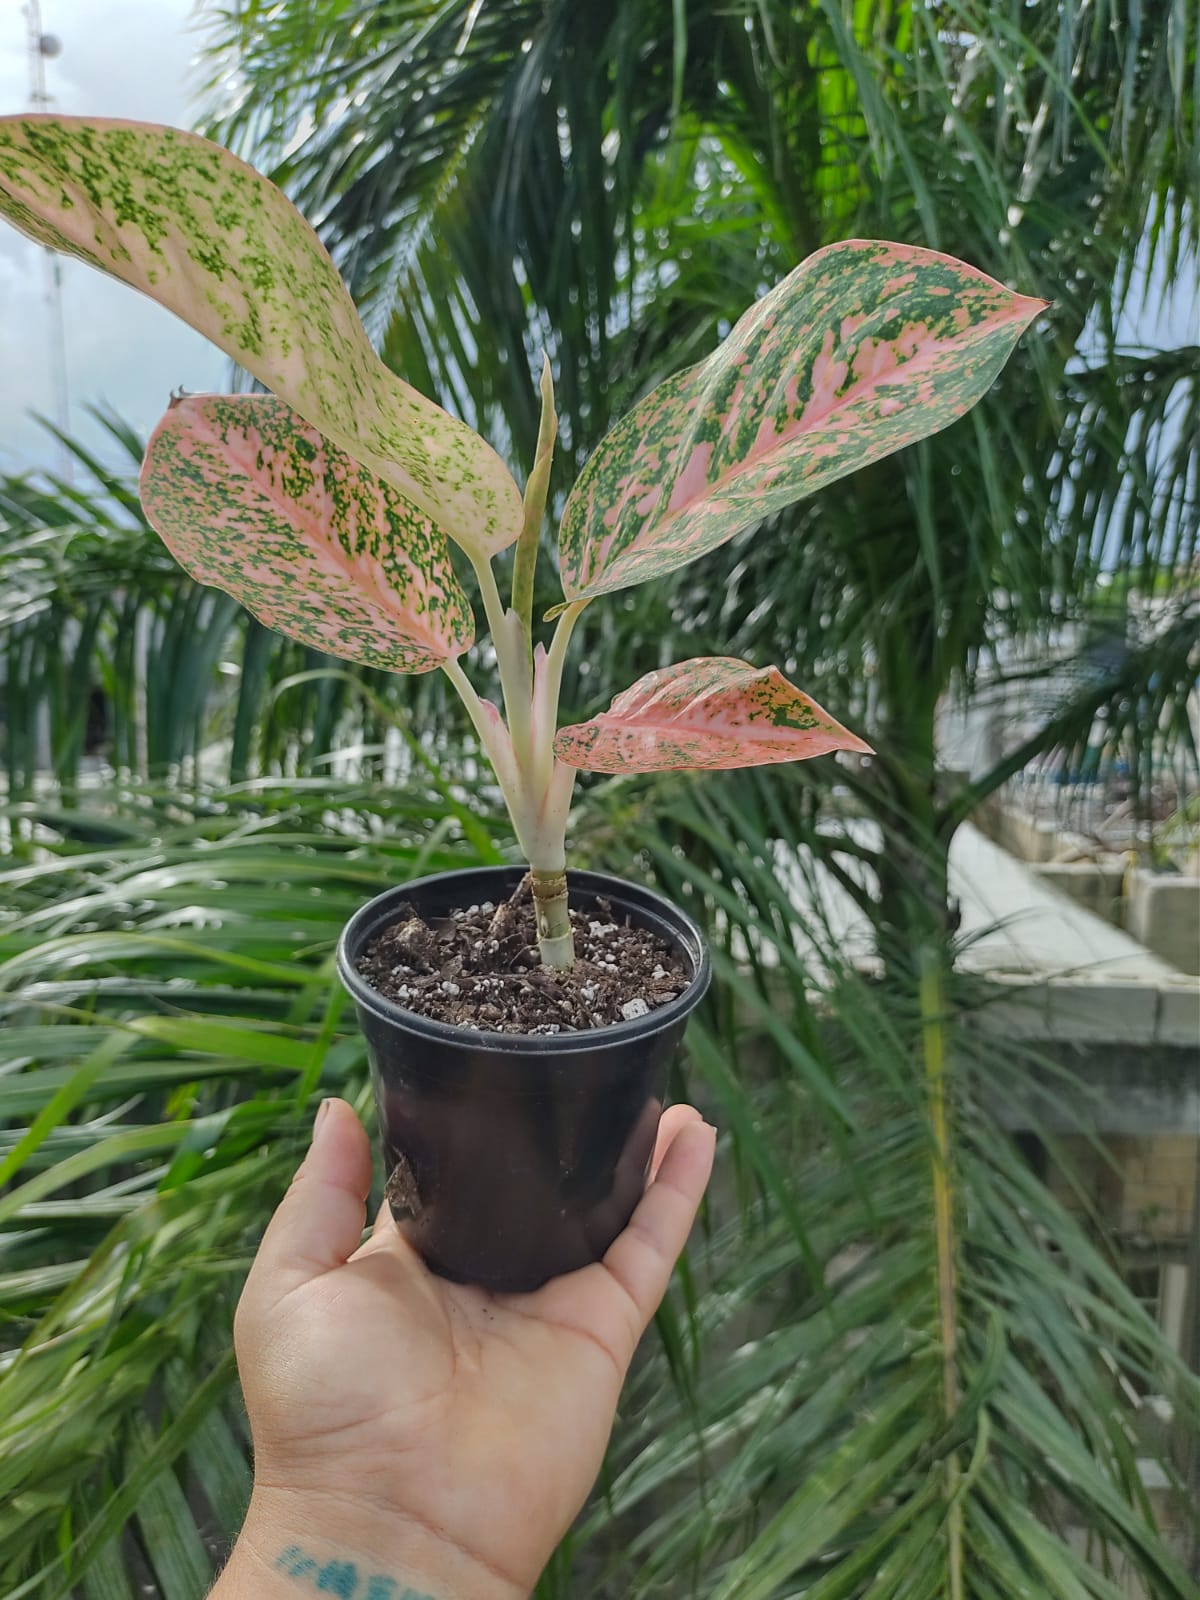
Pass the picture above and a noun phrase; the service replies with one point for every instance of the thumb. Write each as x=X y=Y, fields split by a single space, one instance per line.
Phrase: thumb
x=320 y=1220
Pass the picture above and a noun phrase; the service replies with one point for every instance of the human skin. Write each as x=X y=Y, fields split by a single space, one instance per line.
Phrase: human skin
x=416 y=1439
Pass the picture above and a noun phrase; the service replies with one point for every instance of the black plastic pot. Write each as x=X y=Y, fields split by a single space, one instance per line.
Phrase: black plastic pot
x=510 y=1157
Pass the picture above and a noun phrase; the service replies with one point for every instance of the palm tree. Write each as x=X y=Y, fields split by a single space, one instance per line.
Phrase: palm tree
x=616 y=182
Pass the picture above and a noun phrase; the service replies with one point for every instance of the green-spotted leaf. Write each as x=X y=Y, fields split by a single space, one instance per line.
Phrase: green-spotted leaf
x=713 y=712
x=251 y=499
x=865 y=347
x=205 y=235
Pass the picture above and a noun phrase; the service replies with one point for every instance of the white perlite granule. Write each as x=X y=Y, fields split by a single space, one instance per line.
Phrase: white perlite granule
x=636 y=1007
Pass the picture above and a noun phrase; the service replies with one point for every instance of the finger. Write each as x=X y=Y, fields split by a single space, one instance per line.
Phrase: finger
x=642 y=1258
x=674 y=1118
x=320 y=1220
x=383 y=1235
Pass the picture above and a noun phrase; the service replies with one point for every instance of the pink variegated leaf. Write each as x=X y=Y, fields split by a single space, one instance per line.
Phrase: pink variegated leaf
x=205 y=235
x=251 y=499
x=713 y=712
x=864 y=348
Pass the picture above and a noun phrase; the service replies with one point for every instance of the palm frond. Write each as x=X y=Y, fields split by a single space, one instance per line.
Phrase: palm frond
x=170 y=1017
x=615 y=185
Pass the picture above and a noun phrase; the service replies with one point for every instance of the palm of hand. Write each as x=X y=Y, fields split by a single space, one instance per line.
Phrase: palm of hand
x=481 y=1418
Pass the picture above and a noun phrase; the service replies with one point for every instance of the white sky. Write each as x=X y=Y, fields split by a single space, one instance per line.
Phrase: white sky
x=121 y=58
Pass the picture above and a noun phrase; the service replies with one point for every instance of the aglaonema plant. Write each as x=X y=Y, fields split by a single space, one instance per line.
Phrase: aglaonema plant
x=328 y=507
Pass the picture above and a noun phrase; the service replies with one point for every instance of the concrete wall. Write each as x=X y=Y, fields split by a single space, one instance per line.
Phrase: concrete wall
x=1026 y=837
x=1145 y=1189
x=1162 y=911
x=1090 y=1008
x=1095 y=885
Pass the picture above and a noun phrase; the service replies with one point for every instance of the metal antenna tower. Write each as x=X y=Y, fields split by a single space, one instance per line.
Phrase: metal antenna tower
x=45 y=47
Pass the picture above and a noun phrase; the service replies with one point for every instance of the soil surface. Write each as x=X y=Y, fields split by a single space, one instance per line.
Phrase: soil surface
x=479 y=968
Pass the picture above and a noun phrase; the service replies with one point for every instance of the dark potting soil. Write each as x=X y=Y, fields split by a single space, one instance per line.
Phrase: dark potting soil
x=479 y=968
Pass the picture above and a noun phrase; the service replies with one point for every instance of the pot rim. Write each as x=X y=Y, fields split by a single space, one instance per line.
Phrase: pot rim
x=678 y=923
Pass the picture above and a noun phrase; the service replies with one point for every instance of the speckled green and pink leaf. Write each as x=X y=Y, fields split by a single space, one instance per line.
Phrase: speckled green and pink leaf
x=712 y=712
x=864 y=348
x=205 y=235
x=251 y=499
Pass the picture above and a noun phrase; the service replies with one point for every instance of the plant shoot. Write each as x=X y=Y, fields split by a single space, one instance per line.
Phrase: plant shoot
x=329 y=506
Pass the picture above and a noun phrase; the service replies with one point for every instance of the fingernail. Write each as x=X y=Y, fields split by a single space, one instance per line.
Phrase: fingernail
x=322 y=1113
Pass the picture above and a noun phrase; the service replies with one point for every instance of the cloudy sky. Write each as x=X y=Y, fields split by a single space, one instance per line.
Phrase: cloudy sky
x=126 y=58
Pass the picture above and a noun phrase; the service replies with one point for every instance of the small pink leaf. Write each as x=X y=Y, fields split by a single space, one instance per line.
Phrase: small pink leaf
x=251 y=499
x=713 y=712
x=865 y=347
x=205 y=235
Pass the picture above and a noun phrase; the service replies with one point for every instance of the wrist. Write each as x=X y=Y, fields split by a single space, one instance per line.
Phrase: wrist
x=303 y=1545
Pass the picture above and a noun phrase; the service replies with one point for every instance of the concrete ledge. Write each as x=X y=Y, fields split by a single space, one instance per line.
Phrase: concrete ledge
x=1029 y=838
x=1162 y=911
x=1090 y=1008
x=1132 y=1046
x=1179 y=1017
x=1095 y=885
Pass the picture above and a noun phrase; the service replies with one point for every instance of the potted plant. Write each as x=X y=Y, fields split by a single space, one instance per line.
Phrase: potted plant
x=519 y=1023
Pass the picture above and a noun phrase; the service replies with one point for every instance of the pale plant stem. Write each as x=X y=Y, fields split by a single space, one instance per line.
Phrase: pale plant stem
x=547 y=690
x=933 y=1030
x=493 y=735
x=536 y=787
x=489 y=590
x=557 y=654
x=512 y=662
x=552 y=781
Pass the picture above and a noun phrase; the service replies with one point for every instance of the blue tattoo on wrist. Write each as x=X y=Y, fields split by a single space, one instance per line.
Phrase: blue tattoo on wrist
x=341 y=1579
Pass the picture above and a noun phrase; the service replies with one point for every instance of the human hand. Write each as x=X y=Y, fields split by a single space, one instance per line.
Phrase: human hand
x=422 y=1440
